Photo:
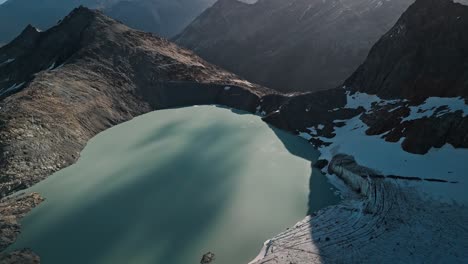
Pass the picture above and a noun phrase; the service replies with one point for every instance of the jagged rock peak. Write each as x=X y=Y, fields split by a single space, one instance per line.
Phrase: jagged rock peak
x=425 y=54
x=27 y=36
x=82 y=11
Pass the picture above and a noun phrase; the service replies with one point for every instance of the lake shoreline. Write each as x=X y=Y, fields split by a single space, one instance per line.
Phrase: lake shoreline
x=389 y=222
x=291 y=149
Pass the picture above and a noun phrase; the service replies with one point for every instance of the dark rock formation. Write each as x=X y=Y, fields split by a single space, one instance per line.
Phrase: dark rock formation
x=320 y=164
x=299 y=45
x=208 y=258
x=298 y=112
x=424 y=54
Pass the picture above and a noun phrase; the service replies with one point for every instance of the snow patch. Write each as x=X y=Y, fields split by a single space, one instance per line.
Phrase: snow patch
x=446 y=163
x=430 y=108
x=51 y=67
x=313 y=131
x=356 y=100
x=12 y=88
x=227 y=88
x=259 y=111
x=6 y=62
x=305 y=136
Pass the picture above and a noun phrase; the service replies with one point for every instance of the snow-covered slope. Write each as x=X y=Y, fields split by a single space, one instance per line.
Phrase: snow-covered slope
x=443 y=166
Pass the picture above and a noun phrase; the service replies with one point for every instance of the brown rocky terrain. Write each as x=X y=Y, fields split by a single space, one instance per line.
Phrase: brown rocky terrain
x=12 y=209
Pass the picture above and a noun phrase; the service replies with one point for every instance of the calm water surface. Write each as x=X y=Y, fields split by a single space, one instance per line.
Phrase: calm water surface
x=171 y=185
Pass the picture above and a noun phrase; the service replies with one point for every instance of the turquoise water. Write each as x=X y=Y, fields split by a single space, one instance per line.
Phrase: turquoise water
x=171 y=185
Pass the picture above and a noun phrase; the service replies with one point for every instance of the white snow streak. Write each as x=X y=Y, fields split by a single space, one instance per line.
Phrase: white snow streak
x=6 y=62
x=446 y=163
x=12 y=88
x=432 y=104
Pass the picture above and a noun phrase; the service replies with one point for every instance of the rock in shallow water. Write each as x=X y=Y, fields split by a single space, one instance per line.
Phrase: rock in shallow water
x=320 y=164
x=208 y=258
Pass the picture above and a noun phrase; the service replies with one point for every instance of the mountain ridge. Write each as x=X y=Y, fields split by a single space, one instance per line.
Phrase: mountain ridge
x=291 y=46
x=414 y=48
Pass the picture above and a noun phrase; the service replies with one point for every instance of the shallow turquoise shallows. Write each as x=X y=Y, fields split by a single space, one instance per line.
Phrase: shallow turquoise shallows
x=172 y=185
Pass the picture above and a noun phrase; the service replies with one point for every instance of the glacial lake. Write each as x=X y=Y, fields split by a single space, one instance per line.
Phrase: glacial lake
x=172 y=185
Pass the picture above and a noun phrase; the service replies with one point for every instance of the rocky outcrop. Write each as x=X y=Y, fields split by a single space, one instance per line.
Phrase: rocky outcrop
x=299 y=45
x=24 y=256
x=208 y=258
x=423 y=55
x=12 y=210
x=294 y=113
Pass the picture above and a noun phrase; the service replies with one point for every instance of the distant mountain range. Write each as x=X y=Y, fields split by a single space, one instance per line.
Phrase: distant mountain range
x=164 y=17
x=297 y=45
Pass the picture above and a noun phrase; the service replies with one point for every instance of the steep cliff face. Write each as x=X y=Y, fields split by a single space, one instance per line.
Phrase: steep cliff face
x=424 y=54
x=411 y=90
x=87 y=74
x=299 y=45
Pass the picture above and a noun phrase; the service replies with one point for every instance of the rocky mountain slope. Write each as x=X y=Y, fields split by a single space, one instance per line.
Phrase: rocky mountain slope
x=164 y=17
x=425 y=54
x=61 y=87
x=297 y=45
x=423 y=110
